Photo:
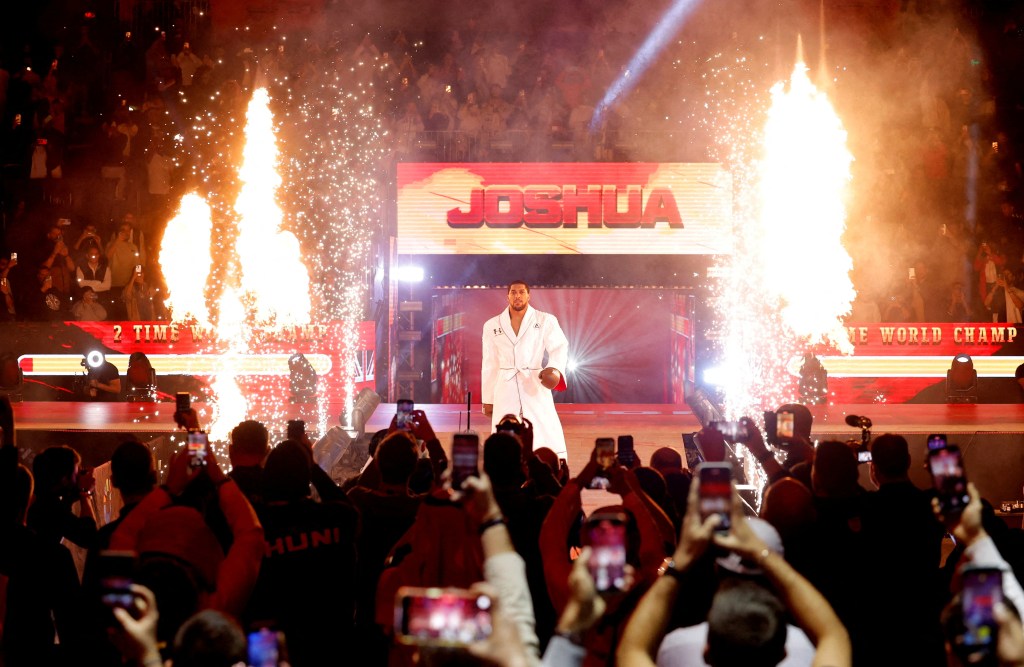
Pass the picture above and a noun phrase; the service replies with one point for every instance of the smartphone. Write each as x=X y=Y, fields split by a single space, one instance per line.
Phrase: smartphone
x=465 y=458
x=949 y=478
x=184 y=401
x=605 y=448
x=864 y=456
x=296 y=430
x=784 y=425
x=14 y=256
x=625 y=451
x=732 y=431
x=266 y=647
x=138 y=268
x=982 y=590
x=441 y=616
x=936 y=441
x=198 y=445
x=604 y=455
x=716 y=492
x=403 y=414
x=606 y=536
x=116 y=572
x=911 y=273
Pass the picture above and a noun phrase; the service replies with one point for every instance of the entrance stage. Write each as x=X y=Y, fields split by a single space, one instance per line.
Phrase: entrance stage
x=991 y=435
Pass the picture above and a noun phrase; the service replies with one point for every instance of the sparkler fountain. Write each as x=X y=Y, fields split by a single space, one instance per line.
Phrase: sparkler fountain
x=786 y=286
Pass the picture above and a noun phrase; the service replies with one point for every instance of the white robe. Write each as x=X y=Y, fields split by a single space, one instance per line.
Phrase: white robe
x=511 y=368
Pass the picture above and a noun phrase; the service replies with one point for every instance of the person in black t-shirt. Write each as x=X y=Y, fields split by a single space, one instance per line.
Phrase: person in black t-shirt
x=103 y=381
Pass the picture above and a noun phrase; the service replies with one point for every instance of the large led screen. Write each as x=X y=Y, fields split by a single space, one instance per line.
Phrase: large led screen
x=563 y=208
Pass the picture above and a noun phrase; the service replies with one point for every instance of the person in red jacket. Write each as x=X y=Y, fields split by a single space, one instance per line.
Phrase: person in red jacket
x=180 y=557
x=651 y=538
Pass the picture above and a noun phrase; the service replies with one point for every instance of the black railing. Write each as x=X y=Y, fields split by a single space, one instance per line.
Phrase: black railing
x=547 y=146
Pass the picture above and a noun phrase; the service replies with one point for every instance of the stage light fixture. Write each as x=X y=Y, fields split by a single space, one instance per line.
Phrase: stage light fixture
x=409 y=274
x=363 y=408
x=95 y=359
x=962 y=380
x=302 y=379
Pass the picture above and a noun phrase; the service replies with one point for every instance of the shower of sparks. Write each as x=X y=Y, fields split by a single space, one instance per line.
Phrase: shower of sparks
x=337 y=148
x=326 y=187
x=786 y=284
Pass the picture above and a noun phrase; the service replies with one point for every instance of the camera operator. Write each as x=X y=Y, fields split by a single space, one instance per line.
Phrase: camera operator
x=102 y=380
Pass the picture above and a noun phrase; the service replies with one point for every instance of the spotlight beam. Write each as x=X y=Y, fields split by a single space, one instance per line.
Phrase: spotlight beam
x=655 y=43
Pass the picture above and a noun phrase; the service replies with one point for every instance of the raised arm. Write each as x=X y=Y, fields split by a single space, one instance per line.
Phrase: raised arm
x=646 y=628
x=809 y=608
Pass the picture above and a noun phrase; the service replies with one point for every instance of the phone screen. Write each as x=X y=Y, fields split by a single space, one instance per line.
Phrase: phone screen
x=442 y=617
x=784 y=425
x=404 y=414
x=116 y=572
x=264 y=648
x=732 y=431
x=949 y=478
x=982 y=589
x=198 y=443
x=716 y=493
x=626 y=452
x=184 y=401
x=605 y=448
x=465 y=458
x=606 y=535
x=936 y=441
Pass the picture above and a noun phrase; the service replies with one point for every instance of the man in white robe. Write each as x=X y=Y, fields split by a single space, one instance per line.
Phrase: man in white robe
x=514 y=379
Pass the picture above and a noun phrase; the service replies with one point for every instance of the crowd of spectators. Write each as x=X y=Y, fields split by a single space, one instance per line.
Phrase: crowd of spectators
x=829 y=573
x=108 y=130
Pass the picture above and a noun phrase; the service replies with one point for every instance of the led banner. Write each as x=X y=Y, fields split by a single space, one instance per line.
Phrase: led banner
x=191 y=354
x=906 y=362
x=564 y=208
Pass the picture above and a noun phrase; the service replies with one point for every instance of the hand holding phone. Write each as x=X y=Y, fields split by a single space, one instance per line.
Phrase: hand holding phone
x=715 y=493
x=116 y=572
x=198 y=448
x=982 y=591
x=733 y=431
x=465 y=458
x=403 y=414
x=441 y=616
x=626 y=453
x=604 y=457
x=950 y=480
x=606 y=537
